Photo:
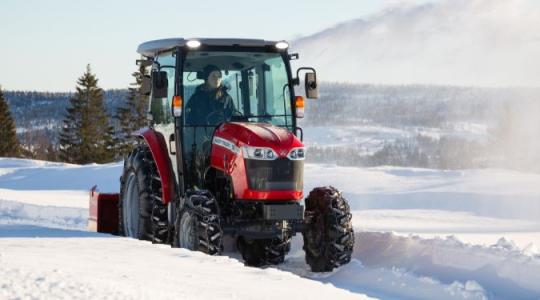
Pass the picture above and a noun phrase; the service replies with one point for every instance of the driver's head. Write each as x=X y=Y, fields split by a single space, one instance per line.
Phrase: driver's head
x=212 y=76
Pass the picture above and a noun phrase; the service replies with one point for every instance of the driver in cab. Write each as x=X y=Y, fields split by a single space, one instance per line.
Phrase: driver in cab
x=210 y=104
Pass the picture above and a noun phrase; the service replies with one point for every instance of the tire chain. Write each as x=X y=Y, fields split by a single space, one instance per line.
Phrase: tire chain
x=337 y=227
x=276 y=250
x=209 y=234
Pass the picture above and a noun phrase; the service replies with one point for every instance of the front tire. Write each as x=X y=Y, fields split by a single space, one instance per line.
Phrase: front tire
x=262 y=252
x=198 y=226
x=329 y=236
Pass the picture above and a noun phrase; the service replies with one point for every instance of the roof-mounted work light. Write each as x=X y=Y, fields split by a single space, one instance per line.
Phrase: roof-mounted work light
x=282 y=45
x=193 y=44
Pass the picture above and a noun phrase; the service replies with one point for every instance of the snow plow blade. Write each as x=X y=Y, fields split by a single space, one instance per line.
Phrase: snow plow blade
x=103 y=212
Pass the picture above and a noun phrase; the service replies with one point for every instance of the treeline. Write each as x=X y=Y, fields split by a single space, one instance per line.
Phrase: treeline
x=9 y=145
x=89 y=125
x=511 y=116
x=40 y=114
x=409 y=105
x=422 y=152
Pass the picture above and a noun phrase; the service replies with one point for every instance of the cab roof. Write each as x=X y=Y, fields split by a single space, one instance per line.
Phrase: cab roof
x=151 y=48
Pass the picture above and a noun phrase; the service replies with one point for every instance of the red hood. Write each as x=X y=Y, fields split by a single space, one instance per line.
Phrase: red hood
x=259 y=135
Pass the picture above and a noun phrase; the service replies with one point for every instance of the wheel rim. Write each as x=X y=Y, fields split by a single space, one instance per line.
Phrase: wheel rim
x=131 y=207
x=186 y=237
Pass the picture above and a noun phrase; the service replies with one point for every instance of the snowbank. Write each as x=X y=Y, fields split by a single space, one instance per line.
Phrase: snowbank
x=402 y=217
x=503 y=270
x=83 y=265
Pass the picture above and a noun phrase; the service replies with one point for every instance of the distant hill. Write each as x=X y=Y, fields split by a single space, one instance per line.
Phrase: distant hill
x=444 y=127
x=455 y=42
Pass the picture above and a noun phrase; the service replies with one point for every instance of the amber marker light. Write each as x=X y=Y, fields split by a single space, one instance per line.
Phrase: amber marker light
x=177 y=106
x=299 y=106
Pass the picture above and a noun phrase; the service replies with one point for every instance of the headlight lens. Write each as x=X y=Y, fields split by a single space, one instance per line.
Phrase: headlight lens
x=225 y=144
x=297 y=154
x=259 y=153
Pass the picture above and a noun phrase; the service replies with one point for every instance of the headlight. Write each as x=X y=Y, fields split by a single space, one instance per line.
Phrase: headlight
x=225 y=144
x=259 y=153
x=297 y=154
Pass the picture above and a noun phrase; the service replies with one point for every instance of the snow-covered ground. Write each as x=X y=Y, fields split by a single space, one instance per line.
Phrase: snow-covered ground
x=420 y=234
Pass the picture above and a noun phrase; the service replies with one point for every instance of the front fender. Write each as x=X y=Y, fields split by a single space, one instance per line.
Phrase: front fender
x=158 y=148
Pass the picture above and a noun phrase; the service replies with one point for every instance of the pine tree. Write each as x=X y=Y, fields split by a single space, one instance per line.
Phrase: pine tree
x=9 y=145
x=87 y=135
x=132 y=115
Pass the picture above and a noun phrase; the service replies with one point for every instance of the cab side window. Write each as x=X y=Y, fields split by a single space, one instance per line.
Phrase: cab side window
x=161 y=107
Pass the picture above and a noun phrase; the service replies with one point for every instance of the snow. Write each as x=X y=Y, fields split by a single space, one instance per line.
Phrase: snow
x=503 y=271
x=420 y=234
x=82 y=265
x=487 y=192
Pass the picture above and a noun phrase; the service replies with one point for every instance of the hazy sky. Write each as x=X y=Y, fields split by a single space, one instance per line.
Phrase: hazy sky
x=489 y=43
x=47 y=44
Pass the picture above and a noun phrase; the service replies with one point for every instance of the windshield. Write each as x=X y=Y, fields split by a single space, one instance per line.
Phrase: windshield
x=236 y=86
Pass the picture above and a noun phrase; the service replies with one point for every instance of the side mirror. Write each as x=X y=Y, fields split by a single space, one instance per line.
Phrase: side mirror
x=146 y=85
x=160 y=84
x=144 y=62
x=312 y=88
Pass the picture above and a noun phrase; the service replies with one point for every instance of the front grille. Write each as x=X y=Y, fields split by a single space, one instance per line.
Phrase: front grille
x=279 y=174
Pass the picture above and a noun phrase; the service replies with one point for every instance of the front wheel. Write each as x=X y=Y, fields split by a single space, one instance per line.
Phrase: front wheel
x=263 y=252
x=198 y=226
x=328 y=236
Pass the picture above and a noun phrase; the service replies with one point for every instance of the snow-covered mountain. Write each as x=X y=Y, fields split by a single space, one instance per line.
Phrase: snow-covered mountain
x=447 y=42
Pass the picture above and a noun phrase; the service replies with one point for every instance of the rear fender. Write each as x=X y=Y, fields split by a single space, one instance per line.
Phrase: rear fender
x=158 y=148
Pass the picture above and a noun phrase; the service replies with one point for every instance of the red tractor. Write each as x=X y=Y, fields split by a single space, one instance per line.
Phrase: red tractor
x=232 y=165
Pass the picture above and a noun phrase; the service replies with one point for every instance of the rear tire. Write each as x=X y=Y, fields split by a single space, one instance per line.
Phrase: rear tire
x=141 y=212
x=198 y=226
x=329 y=236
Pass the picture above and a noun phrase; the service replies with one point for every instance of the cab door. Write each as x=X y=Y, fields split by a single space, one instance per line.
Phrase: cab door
x=161 y=108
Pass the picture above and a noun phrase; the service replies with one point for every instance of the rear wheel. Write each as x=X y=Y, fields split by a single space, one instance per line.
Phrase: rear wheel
x=329 y=236
x=142 y=214
x=198 y=226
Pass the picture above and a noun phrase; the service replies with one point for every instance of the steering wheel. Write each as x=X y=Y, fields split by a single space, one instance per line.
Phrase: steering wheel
x=218 y=116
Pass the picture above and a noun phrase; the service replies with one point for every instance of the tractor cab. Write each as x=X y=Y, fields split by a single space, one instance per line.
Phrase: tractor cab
x=198 y=85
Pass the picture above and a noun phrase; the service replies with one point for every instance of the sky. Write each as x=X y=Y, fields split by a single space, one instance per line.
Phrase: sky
x=47 y=44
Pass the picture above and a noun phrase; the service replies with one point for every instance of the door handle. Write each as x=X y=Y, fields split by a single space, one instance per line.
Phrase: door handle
x=172 y=145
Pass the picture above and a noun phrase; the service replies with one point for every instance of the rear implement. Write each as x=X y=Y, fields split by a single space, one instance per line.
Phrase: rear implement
x=103 y=212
